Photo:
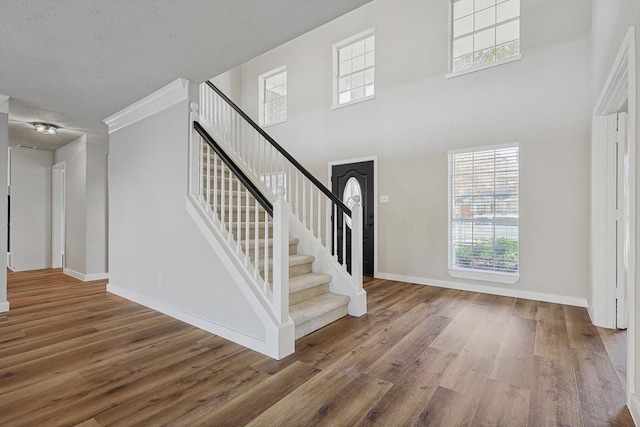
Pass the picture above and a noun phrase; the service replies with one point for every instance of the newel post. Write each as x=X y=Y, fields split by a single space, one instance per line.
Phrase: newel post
x=281 y=256
x=356 y=242
x=194 y=153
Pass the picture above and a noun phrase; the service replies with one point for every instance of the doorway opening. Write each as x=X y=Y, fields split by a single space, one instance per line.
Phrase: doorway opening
x=57 y=215
x=613 y=194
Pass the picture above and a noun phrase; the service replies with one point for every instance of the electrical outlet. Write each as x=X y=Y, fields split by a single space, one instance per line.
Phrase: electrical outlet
x=160 y=279
x=384 y=199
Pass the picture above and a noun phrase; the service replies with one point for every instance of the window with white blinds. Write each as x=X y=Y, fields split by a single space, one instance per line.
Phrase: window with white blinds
x=483 y=32
x=483 y=210
x=273 y=96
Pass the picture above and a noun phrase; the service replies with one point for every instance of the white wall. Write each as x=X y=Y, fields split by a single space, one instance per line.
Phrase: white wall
x=30 y=209
x=86 y=210
x=541 y=101
x=4 y=151
x=151 y=233
x=97 y=209
x=74 y=155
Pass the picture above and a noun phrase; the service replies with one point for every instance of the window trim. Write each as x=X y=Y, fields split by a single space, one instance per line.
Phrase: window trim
x=353 y=39
x=469 y=273
x=452 y=74
x=483 y=66
x=261 y=81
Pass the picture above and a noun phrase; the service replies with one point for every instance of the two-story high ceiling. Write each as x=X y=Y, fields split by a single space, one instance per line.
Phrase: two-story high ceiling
x=75 y=62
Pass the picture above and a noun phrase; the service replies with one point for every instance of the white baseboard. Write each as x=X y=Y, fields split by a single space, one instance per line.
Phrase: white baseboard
x=74 y=274
x=634 y=408
x=85 y=277
x=96 y=276
x=515 y=293
x=207 y=325
x=4 y=306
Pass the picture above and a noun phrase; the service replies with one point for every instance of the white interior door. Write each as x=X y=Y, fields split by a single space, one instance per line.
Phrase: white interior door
x=621 y=215
x=57 y=216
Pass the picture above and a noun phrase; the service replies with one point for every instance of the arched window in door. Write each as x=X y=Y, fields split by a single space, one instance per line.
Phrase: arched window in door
x=352 y=188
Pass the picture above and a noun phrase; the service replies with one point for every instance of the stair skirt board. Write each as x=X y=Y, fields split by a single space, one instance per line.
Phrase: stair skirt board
x=248 y=341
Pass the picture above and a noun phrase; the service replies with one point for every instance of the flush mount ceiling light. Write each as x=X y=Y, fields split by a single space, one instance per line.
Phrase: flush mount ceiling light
x=47 y=128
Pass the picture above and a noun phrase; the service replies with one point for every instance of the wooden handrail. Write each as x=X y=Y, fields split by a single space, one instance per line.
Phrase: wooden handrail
x=255 y=192
x=282 y=151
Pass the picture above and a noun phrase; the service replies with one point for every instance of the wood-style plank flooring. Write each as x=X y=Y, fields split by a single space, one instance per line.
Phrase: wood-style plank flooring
x=73 y=354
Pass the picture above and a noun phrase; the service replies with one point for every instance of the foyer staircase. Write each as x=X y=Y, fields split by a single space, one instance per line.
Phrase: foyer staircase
x=311 y=305
x=281 y=234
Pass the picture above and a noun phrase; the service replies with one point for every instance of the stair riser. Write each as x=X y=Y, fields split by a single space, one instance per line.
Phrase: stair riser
x=292 y=251
x=243 y=214
x=299 y=270
x=320 y=321
x=307 y=294
x=252 y=233
x=294 y=270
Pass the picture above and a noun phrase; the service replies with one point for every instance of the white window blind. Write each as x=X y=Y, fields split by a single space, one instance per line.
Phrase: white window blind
x=273 y=96
x=354 y=69
x=483 y=210
x=483 y=32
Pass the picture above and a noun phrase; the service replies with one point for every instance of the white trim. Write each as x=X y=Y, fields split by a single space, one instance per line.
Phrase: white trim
x=4 y=306
x=484 y=148
x=622 y=77
x=484 y=66
x=171 y=94
x=266 y=125
x=279 y=337
x=634 y=408
x=96 y=276
x=4 y=104
x=374 y=159
x=85 y=277
x=487 y=276
x=357 y=101
x=207 y=325
x=334 y=57
x=505 y=292
x=261 y=78
x=59 y=205
x=73 y=273
x=470 y=273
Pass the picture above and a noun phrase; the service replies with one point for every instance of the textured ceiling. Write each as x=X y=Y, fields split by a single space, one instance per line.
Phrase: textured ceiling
x=75 y=62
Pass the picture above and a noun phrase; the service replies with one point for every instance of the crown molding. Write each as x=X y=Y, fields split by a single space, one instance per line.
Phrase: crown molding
x=171 y=94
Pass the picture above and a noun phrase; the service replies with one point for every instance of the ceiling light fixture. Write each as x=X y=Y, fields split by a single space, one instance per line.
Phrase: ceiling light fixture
x=47 y=128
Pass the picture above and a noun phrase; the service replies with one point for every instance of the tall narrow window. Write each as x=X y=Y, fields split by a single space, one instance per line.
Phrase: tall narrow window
x=484 y=213
x=484 y=32
x=354 y=69
x=273 y=96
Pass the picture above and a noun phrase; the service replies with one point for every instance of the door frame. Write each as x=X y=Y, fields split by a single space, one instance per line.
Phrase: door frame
x=620 y=87
x=58 y=214
x=374 y=159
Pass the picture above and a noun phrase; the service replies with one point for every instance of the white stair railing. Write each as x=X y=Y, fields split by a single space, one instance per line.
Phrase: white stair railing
x=270 y=166
x=255 y=230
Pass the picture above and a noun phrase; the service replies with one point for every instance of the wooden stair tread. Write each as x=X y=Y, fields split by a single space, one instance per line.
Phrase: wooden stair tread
x=316 y=307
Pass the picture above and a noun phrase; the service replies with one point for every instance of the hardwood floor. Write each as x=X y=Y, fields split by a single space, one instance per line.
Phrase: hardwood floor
x=72 y=354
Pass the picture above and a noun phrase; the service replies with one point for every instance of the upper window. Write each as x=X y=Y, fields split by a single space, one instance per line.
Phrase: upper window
x=483 y=32
x=354 y=69
x=273 y=96
x=483 y=213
